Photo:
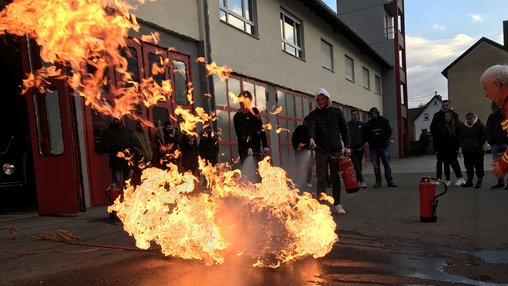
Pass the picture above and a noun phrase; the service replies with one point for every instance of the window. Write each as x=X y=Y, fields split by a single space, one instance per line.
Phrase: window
x=326 y=55
x=239 y=14
x=291 y=33
x=426 y=116
x=366 y=78
x=49 y=123
x=377 y=84
x=349 y=69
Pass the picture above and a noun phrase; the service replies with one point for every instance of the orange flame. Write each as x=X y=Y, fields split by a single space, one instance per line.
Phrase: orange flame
x=268 y=221
x=222 y=72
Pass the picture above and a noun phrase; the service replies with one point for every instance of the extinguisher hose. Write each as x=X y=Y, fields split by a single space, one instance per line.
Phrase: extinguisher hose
x=326 y=153
x=434 y=200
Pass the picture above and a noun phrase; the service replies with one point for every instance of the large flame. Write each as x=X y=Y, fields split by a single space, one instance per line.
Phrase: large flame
x=270 y=222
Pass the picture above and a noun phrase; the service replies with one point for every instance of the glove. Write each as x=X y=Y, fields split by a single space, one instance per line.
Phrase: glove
x=312 y=144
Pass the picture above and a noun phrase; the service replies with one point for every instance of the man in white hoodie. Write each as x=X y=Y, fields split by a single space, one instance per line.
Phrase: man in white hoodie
x=327 y=130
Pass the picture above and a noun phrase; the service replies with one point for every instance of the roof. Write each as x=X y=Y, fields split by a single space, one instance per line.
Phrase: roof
x=482 y=40
x=414 y=113
x=339 y=26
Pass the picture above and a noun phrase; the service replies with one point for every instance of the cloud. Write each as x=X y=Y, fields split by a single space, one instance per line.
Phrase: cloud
x=477 y=18
x=438 y=27
x=426 y=59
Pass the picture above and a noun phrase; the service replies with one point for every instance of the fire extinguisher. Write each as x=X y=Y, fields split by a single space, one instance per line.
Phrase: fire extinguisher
x=348 y=174
x=428 y=199
x=113 y=192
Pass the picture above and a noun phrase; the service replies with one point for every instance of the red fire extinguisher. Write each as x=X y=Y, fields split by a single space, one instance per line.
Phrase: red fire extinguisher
x=348 y=174
x=428 y=199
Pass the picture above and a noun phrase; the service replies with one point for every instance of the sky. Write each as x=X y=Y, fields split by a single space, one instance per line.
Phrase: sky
x=437 y=33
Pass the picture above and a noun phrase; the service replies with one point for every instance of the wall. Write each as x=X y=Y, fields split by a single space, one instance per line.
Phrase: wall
x=464 y=88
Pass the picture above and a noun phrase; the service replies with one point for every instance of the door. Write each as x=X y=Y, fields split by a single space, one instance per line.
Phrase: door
x=54 y=144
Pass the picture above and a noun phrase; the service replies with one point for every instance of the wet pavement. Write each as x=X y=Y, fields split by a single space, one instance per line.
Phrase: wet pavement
x=381 y=242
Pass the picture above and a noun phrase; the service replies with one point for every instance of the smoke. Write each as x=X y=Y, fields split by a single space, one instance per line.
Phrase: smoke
x=302 y=165
x=249 y=169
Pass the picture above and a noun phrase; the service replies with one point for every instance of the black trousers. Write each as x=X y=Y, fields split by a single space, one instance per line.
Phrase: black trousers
x=474 y=161
x=323 y=162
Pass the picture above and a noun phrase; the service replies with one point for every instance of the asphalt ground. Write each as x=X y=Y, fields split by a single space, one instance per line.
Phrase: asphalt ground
x=381 y=242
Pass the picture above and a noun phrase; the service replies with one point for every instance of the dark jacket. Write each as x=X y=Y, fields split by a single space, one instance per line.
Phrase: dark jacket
x=190 y=153
x=446 y=143
x=377 y=132
x=439 y=117
x=472 y=138
x=355 y=134
x=328 y=127
x=250 y=132
x=209 y=146
x=494 y=132
x=300 y=135
x=116 y=138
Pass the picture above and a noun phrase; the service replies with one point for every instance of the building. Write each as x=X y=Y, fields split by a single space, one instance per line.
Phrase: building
x=382 y=24
x=282 y=51
x=420 y=121
x=463 y=74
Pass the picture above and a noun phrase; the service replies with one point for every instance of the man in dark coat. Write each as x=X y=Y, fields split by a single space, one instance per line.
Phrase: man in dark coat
x=116 y=138
x=327 y=128
x=438 y=118
x=250 y=133
x=355 y=127
x=376 y=133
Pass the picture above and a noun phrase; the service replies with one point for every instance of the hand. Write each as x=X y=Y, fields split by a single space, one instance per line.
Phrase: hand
x=347 y=151
x=249 y=152
x=266 y=151
x=301 y=145
x=312 y=144
x=496 y=169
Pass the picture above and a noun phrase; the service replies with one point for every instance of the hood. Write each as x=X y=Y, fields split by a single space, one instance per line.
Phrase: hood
x=325 y=93
x=374 y=109
x=474 y=122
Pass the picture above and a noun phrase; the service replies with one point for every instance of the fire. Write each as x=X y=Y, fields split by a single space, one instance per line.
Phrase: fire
x=270 y=222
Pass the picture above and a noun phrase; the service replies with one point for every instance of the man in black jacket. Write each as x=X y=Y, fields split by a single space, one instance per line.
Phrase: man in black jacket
x=438 y=118
x=250 y=133
x=357 y=145
x=327 y=127
x=376 y=133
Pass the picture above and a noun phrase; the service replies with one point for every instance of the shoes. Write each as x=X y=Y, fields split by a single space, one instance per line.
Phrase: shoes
x=391 y=185
x=478 y=184
x=467 y=184
x=499 y=185
x=363 y=184
x=309 y=185
x=448 y=183
x=377 y=185
x=460 y=182
x=339 y=209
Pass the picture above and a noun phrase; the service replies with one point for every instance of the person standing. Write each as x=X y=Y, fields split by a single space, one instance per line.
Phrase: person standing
x=376 y=133
x=447 y=145
x=116 y=138
x=472 y=138
x=494 y=81
x=142 y=151
x=190 y=153
x=303 y=154
x=438 y=118
x=355 y=127
x=327 y=128
x=250 y=133
x=497 y=139
x=209 y=146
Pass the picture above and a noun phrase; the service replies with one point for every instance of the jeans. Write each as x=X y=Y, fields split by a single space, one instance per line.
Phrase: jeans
x=323 y=162
x=356 y=158
x=381 y=156
x=117 y=175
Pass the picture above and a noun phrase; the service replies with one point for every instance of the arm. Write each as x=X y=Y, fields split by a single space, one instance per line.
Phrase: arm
x=344 y=130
